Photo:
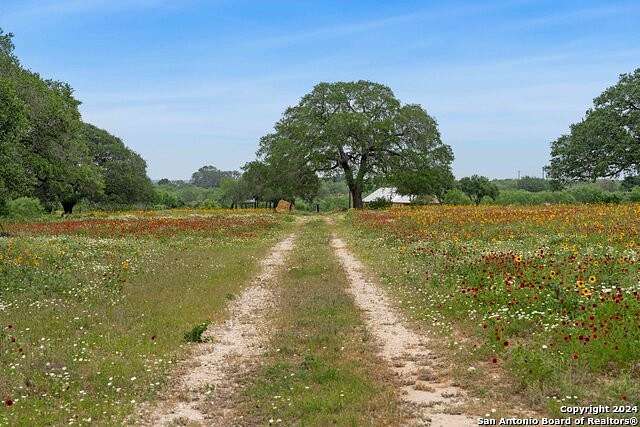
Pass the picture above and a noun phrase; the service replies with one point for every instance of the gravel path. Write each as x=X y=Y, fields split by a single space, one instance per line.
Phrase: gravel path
x=428 y=397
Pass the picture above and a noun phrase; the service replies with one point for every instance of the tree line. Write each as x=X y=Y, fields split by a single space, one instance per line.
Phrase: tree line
x=355 y=132
x=362 y=133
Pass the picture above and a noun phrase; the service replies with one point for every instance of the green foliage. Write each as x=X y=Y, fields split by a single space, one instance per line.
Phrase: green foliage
x=46 y=151
x=333 y=195
x=634 y=195
x=283 y=171
x=59 y=169
x=167 y=199
x=14 y=178
x=455 y=196
x=581 y=193
x=362 y=130
x=124 y=172
x=423 y=181
x=424 y=200
x=629 y=182
x=174 y=194
x=234 y=191
x=379 y=203
x=478 y=187
x=522 y=197
x=24 y=207
x=195 y=334
x=52 y=287
x=211 y=177
x=587 y=193
x=606 y=143
x=533 y=184
x=209 y=204
x=334 y=203
x=506 y=184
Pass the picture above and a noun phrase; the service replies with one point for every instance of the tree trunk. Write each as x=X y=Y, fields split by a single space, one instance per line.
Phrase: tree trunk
x=356 y=196
x=68 y=207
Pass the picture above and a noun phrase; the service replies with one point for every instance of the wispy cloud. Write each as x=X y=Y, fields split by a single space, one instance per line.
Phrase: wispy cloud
x=364 y=26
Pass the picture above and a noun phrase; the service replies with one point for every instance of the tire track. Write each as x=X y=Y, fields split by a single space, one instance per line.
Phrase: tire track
x=427 y=396
x=204 y=389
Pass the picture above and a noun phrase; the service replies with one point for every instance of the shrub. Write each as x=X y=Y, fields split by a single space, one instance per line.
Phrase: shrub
x=380 y=203
x=522 y=197
x=168 y=199
x=209 y=204
x=516 y=197
x=588 y=194
x=614 y=197
x=301 y=205
x=195 y=334
x=455 y=196
x=334 y=202
x=533 y=184
x=478 y=187
x=634 y=195
x=24 y=207
x=630 y=182
x=423 y=200
x=556 y=197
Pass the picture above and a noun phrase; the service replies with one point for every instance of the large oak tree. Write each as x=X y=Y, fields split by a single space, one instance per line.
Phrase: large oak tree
x=48 y=151
x=359 y=129
x=606 y=143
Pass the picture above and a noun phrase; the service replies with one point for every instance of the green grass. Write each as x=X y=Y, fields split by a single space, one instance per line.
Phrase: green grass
x=90 y=327
x=321 y=368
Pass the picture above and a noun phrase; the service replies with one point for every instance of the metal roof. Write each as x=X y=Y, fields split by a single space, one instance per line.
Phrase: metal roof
x=389 y=193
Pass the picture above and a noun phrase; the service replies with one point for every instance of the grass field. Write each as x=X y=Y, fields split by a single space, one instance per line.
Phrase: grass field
x=530 y=307
x=547 y=299
x=94 y=309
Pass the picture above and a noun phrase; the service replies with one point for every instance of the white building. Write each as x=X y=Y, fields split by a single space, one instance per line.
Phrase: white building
x=389 y=193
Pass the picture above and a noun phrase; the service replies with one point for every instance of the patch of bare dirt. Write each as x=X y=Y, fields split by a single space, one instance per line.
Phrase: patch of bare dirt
x=203 y=393
x=427 y=394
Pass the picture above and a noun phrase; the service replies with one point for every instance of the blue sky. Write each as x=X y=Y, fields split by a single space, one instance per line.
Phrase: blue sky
x=193 y=82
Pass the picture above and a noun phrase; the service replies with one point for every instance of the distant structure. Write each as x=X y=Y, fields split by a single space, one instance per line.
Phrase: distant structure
x=390 y=194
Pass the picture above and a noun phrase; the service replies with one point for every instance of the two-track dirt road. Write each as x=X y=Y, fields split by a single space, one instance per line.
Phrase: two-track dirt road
x=205 y=386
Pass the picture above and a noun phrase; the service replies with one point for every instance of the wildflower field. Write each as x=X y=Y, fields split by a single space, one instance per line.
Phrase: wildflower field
x=547 y=298
x=94 y=310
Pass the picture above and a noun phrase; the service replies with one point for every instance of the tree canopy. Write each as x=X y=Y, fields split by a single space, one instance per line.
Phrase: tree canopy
x=211 y=177
x=361 y=130
x=14 y=179
x=46 y=151
x=606 y=143
x=123 y=170
x=533 y=184
x=478 y=187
